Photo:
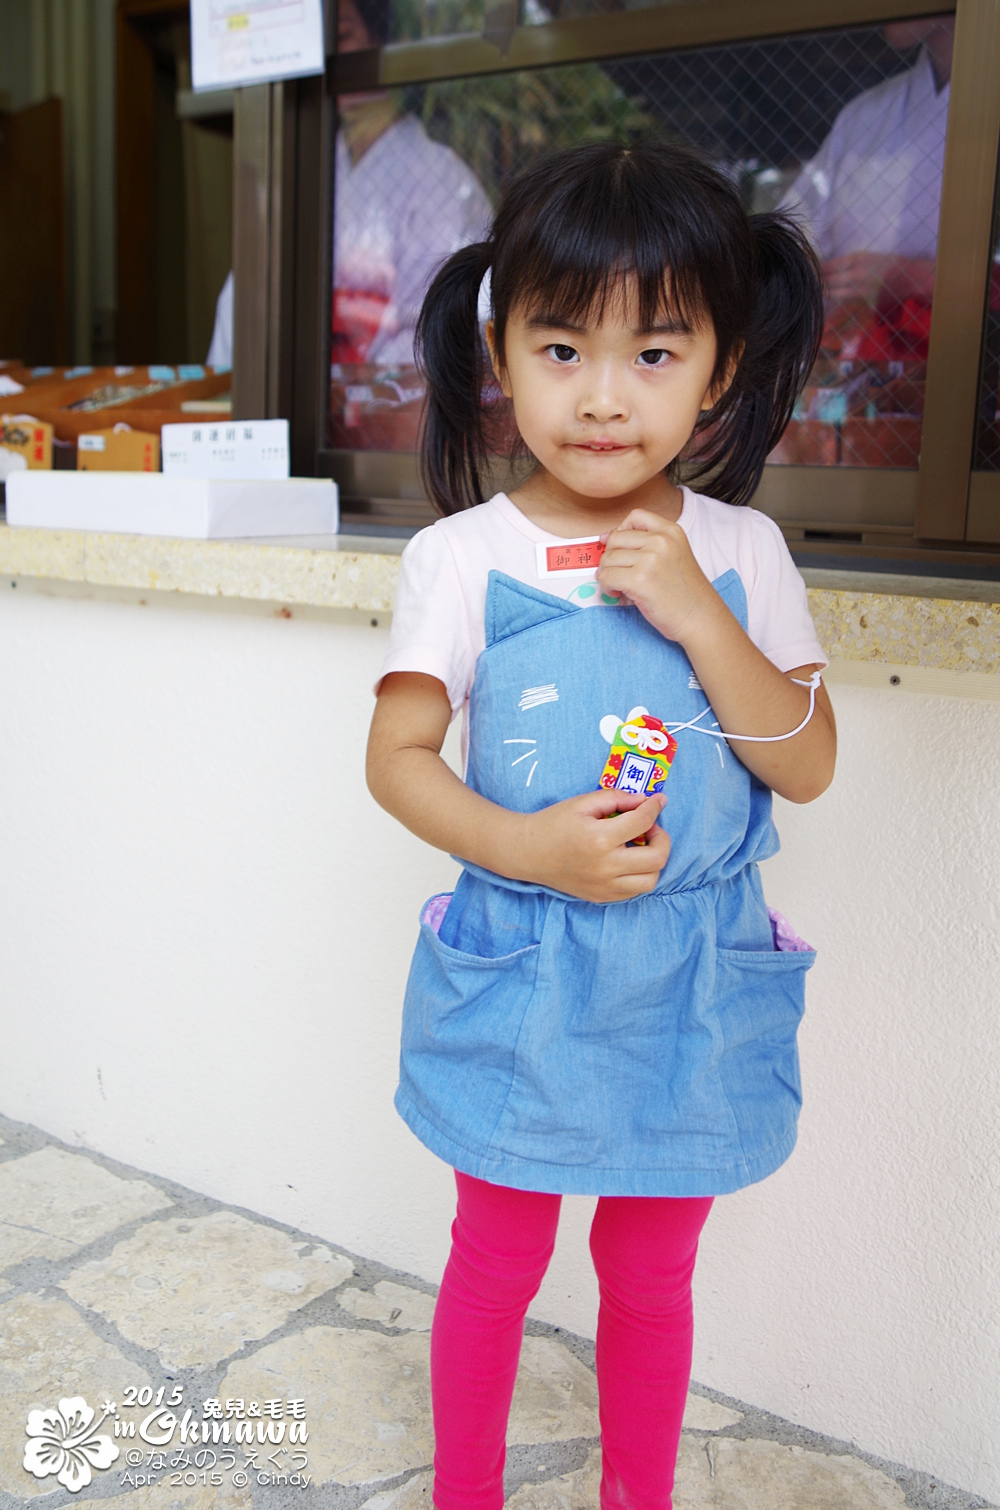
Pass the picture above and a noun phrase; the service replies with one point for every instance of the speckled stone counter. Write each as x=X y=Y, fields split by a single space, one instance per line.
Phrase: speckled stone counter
x=885 y=623
x=910 y=621
x=338 y=572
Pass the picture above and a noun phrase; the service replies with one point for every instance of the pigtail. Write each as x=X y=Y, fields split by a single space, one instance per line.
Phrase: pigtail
x=452 y=360
x=779 y=347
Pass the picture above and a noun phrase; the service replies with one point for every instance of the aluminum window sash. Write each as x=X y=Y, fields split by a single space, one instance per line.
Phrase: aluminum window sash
x=618 y=34
x=964 y=258
x=867 y=499
x=984 y=508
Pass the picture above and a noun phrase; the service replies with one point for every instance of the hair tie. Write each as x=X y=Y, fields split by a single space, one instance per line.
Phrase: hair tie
x=484 y=303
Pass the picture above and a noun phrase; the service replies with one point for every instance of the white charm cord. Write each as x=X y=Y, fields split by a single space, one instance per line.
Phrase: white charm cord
x=758 y=739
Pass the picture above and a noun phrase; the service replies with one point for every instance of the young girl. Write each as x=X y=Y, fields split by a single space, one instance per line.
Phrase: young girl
x=603 y=1006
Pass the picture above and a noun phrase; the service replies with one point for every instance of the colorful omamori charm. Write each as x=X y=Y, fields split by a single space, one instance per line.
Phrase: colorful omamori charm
x=640 y=758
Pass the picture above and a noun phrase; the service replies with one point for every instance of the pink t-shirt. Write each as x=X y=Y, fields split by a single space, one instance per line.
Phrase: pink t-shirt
x=439 y=621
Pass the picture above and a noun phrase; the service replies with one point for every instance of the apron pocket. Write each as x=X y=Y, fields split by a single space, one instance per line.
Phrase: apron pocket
x=461 y=1017
x=760 y=998
x=433 y=911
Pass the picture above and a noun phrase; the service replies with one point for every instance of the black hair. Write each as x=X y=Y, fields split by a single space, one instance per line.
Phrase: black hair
x=566 y=232
x=376 y=19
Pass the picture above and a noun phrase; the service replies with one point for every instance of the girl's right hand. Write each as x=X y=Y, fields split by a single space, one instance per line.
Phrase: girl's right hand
x=576 y=847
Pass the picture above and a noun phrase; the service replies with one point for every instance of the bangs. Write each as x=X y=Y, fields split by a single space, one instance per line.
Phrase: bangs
x=648 y=292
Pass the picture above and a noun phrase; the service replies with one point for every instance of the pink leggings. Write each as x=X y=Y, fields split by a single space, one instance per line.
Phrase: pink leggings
x=644 y=1250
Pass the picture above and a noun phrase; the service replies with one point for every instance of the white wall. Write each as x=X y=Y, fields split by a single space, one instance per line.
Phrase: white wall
x=206 y=929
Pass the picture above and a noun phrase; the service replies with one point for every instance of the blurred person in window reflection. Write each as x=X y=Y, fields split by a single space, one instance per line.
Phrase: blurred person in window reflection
x=871 y=197
x=402 y=204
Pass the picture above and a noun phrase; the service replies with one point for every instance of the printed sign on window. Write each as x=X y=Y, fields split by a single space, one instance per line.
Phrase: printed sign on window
x=236 y=42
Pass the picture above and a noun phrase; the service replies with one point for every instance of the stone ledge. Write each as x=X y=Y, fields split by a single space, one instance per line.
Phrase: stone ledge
x=318 y=576
x=946 y=634
x=910 y=626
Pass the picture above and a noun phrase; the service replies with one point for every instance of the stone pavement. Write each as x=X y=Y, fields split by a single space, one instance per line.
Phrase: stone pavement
x=168 y=1352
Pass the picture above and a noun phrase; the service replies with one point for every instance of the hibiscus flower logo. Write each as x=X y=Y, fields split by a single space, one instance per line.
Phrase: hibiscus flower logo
x=66 y=1442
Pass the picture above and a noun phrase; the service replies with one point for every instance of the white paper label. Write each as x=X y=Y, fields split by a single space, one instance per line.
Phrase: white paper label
x=233 y=448
x=237 y=42
x=90 y=442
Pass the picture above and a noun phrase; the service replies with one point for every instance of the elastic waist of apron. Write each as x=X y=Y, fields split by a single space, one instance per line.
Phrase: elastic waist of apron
x=718 y=884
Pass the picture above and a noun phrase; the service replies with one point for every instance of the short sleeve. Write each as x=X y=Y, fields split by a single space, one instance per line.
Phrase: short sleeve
x=778 y=617
x=430 y=623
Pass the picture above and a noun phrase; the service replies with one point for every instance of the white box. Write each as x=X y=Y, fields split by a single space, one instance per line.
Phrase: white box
x=189 y=508
x=226 y=448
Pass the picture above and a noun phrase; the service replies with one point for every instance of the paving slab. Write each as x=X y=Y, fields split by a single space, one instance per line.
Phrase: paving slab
x=367 y=1398
x=579 y=1490
x=369 y=1404
x=394 y=1305
x=720 y=1473
x=415 y=1494
x=194 y=1291
x=166 y=1495
x=54 y=1203
x=48 y=1353
x=750 y=1475
x=555 y=1397
x=702 y=1414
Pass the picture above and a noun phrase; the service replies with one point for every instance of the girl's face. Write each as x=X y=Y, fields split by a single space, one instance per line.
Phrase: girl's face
x=605 y=407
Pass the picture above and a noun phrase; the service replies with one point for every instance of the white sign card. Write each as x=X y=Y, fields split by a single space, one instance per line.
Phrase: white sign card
x=236 y=42
x=230 y=448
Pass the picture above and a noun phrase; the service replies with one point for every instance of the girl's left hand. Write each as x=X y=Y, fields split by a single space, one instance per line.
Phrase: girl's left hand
x=648 y=562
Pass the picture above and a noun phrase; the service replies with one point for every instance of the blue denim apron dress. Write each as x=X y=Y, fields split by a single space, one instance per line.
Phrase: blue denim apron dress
x=643 y=1047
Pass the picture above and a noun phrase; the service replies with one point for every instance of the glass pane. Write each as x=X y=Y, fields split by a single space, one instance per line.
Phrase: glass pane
x=847 y=128
x=988 y=438
x=411 y=20
x=405 y=20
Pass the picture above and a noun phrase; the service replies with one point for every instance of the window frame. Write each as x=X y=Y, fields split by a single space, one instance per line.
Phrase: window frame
x=940 y=511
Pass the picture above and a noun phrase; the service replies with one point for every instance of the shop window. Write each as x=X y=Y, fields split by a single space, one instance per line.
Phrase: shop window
x=846 y=128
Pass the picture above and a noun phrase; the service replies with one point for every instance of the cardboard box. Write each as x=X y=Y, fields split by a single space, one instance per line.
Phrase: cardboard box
x=27 y=437
x=119 y=449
